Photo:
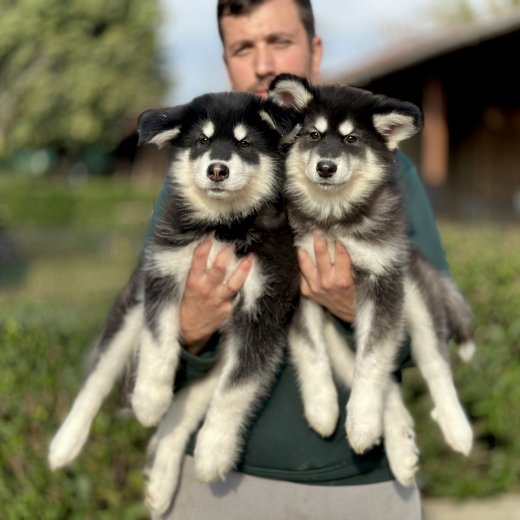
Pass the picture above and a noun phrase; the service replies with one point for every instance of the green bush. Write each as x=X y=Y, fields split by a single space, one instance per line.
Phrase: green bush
x=79 y=245
x=485 y=261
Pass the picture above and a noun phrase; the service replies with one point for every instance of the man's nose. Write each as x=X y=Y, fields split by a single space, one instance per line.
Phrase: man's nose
x=264 y=61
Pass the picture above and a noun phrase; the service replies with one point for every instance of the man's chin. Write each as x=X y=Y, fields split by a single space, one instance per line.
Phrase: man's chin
x=262 y=94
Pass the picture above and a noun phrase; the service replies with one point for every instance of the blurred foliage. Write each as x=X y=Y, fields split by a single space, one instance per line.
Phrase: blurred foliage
x=462 y=11
x=75 y=73
x=80 y=243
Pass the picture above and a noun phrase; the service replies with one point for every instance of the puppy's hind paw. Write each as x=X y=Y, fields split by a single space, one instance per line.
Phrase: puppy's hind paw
x=403 y=454
x=163 y=478
x=456 y=429
x=214 y=455
x=67 y=443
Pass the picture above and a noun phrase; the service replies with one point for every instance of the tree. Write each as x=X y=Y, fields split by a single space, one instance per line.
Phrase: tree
x=75 y=73
x=462 y=11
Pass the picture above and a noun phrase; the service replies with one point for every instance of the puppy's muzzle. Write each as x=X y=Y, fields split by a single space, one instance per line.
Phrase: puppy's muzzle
x=217 y=172
x=326 y=169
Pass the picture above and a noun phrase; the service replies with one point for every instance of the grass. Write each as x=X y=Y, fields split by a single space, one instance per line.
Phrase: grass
x=75 y=246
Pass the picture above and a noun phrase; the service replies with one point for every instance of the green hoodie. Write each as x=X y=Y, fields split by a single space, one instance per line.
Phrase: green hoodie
x=279 y=443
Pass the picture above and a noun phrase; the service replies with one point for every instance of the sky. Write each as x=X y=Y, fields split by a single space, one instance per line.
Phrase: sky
x=351 y=30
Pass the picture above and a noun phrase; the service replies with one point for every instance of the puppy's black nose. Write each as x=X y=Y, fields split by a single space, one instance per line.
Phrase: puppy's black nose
x=217 y=172
x=326 y=168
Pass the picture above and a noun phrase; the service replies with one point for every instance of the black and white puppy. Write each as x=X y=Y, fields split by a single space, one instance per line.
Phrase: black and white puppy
x=225 y=184
x=341 y=182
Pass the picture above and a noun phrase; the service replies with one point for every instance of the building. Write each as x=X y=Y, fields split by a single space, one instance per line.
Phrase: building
x=466 y=80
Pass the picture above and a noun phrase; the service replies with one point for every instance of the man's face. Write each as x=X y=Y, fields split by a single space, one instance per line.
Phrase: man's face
x=269 y=40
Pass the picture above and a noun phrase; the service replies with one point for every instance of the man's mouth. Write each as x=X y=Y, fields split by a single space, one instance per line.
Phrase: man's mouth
x=262 y=94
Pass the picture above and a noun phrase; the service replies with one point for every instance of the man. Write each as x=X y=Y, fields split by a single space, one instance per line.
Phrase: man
x=287 y=471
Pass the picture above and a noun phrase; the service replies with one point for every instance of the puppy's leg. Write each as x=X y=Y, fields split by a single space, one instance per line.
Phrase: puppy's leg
x=311 y=361
x=173 y=434
x=399 y=432
x=158 y=359
x=379 y=332
x=400 y=446
x=244 y=382
x=70 y=438
x=432 y=357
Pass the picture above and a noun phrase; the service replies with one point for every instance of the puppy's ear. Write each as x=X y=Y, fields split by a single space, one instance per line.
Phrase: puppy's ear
x=159 y=126
x=283 y=120
x=290 y=91
x=396 y=120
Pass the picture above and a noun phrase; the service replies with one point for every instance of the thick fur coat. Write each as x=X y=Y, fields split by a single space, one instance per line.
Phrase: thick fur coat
x=341 y=182
x=225 y=183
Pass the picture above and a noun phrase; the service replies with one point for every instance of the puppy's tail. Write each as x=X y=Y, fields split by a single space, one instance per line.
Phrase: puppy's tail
x=460 y=318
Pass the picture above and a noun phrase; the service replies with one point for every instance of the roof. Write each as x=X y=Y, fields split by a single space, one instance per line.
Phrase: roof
x=417 y=50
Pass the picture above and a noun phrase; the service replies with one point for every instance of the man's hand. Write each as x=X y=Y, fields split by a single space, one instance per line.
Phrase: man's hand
x=329 y=282
x=207 y=302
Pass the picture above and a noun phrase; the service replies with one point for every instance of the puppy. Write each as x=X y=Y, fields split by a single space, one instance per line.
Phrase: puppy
x=341 y=181
x=225 y=183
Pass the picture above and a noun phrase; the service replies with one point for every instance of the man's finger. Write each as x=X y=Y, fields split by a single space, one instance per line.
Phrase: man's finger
x=307 y=267
x=217 y=271
x=343 y=263
x=323 y=261
x=305 y=289
x=239 y=276
x=200 y=259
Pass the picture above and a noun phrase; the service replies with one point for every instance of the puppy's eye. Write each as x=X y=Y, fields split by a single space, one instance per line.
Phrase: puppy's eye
x=314 y=135
x=244 y=144
x=204 y=140
x=350 y=139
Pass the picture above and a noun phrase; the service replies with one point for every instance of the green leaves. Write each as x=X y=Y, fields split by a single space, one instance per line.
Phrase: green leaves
x=75 y=73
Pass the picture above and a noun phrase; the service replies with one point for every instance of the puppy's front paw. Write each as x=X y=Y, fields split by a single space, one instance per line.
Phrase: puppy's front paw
x=364 y=424
x=322 y=412
x=150 y=403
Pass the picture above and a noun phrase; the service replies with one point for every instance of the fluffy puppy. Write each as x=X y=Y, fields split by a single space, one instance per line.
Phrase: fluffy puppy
x=225 y=180
x=341 y=181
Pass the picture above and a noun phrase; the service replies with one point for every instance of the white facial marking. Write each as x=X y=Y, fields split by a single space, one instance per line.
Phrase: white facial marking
x=240 y=132
x=267 y=118
x=163 y=137
x=208 y=129
x=346 y=128
x=247 y=186
x=321 y=125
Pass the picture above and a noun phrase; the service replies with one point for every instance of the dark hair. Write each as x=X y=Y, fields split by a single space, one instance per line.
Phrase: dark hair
x=239 y=7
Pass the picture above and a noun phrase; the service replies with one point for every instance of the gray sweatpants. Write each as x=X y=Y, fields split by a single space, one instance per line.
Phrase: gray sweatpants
x=244 y=497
